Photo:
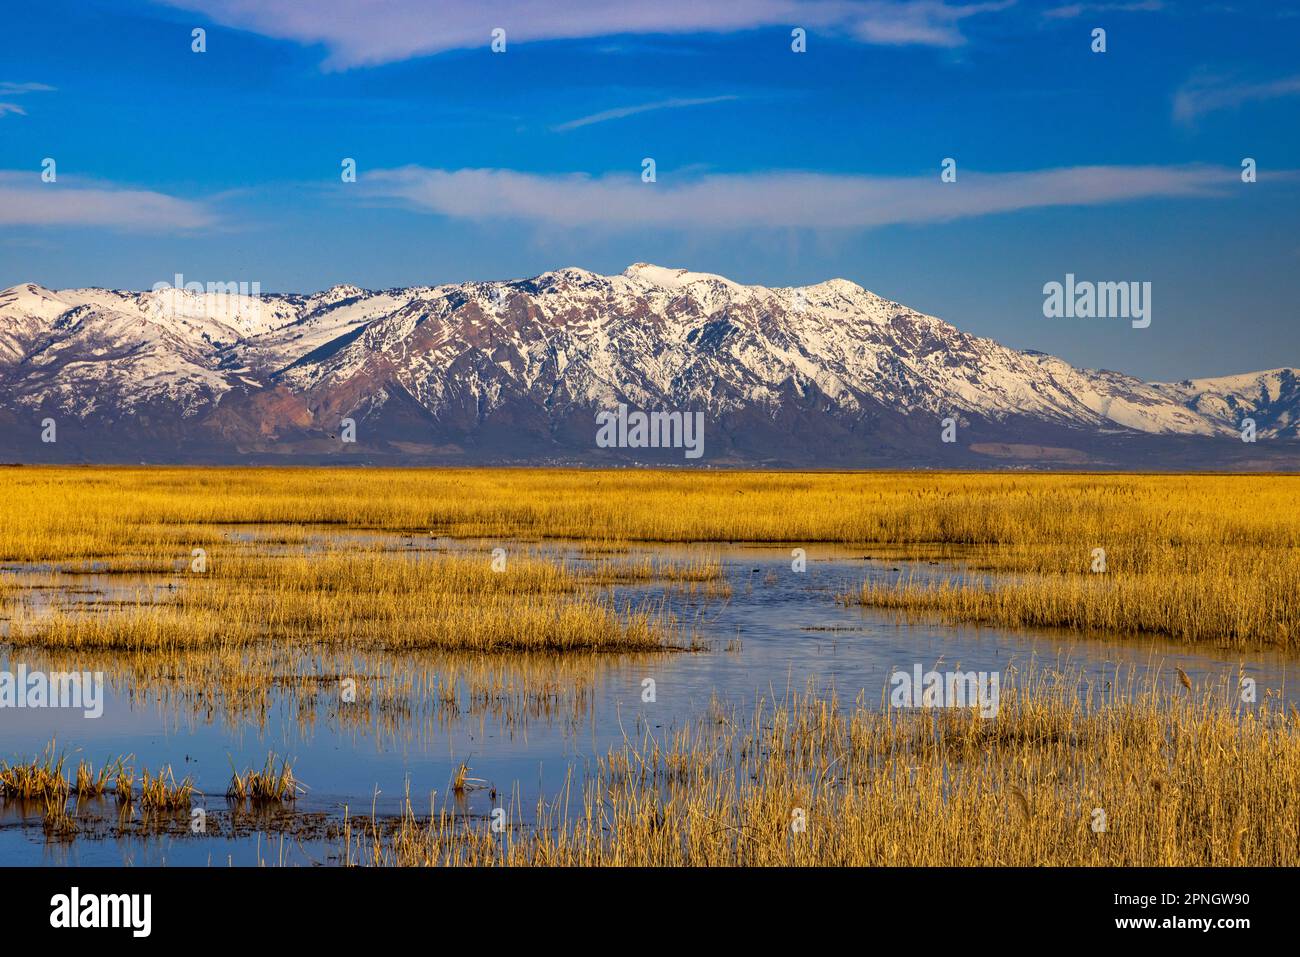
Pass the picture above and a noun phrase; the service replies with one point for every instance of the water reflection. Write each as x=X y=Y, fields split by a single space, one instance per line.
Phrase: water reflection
x=365 y=730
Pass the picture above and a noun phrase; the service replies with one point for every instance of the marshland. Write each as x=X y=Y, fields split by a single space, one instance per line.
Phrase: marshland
x=311 y=666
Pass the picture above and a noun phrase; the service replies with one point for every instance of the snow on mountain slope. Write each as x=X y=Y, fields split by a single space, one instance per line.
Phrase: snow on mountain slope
x=88 y=351
x=321 y=319
x=532 y=353
x=1272 y=398
x=25 y=313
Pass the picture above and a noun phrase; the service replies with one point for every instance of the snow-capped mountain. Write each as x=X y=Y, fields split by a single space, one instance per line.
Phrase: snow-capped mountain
x=828 y=374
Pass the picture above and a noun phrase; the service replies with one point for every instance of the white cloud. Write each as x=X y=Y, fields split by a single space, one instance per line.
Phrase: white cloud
x=619 y=112
x=925 y=22
x=1206 y=94
x=27 y=201
x=776 y=199
x=17 y=89
x=359 y=33
x=1071 y=10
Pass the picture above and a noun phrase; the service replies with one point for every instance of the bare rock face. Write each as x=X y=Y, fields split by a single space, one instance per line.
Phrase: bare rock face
x=828 y=375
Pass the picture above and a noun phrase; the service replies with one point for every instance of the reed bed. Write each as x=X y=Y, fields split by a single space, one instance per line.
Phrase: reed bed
x=68 y=513
x=1065 y=774
x=399 y=697
x=367 y=598
x=1196 y=557
x=42 y=778
x=698 y=576
x=1256 y=604
x=302 y=587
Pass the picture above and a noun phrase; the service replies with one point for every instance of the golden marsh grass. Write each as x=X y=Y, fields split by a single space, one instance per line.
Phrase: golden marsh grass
x=270 y=785
x=1256 y=603
x=61 y=514
x=39 y=779
x=313 y=576
x=1200 y=558
x=161 y=792
x=1154 y=778
x=368 y=598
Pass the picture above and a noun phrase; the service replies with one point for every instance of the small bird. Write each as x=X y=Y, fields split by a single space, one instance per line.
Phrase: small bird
x=1182 y=677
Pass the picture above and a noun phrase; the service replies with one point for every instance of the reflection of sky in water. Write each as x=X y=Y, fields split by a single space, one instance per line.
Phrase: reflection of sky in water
x=791 y=634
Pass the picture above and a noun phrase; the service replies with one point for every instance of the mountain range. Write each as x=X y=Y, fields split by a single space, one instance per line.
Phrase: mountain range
x=516 y=372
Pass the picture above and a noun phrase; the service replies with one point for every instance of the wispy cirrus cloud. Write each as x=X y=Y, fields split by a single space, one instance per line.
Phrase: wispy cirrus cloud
x=619 y=112
x=1209 y=94
x=19 y=89
x=16 y=89
x=1069 y=11
x=27 y=201
x=775 y=200
x=924 y=22
x=367 y=34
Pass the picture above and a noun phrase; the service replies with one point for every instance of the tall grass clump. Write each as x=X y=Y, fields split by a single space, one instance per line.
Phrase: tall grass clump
x=1065 y=774
x=270 y=785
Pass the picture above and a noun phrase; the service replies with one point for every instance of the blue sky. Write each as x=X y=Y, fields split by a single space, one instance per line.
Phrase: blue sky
x=772 y=167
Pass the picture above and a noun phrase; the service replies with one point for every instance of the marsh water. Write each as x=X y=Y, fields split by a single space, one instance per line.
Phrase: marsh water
x=524 y=729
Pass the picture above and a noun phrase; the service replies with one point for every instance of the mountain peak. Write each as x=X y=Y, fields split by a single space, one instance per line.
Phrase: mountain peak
x=844 y=286
x=337 y=292
x=575 y=273
x=32 y=300
x=28 y=289
x=668 y=278
x=828 y=368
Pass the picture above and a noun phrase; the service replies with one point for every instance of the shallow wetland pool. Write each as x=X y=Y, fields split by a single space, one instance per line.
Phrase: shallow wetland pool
x=518 y=727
